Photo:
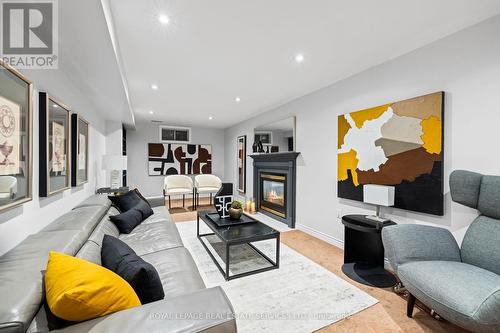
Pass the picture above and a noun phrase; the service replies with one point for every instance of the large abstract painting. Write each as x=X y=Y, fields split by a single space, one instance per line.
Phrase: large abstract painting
x=179 y=159
x=398 y=144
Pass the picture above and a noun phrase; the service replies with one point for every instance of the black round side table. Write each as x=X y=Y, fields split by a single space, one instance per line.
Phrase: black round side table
x=364 y=251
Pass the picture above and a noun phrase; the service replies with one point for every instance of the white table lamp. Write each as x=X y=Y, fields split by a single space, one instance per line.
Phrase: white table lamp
x=115 y=164
x=379 y=195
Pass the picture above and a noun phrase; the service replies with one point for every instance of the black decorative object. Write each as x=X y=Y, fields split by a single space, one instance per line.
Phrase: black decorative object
x=54 y=137
x=260 y=147
x=364 y=251
x=223 y=199
x=254 y=147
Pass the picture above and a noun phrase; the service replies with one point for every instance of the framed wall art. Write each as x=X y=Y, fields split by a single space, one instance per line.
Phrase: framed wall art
x=54 y=133
x=15 y=138
x=179 y=159
x=242 y=163
x=398 y=144
x=79 y=150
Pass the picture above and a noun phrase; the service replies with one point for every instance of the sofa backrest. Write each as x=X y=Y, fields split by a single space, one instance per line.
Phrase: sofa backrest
x=481 y=244
x=21 y=268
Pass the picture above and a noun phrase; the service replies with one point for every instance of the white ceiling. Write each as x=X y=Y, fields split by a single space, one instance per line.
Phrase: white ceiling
x=213 y=51
x=86 y=56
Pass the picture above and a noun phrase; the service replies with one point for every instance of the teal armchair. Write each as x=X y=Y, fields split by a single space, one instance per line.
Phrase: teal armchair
x=462 y=285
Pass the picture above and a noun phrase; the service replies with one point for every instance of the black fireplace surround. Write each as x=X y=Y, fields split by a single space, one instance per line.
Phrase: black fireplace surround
x=275 y=169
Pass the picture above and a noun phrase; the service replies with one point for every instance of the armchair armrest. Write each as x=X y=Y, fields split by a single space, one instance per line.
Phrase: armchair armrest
x=156 y=201
x=207 y=311
x=413 y=242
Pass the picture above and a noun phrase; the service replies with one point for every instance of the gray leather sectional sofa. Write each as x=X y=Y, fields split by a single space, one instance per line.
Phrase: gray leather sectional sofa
x=188 y=305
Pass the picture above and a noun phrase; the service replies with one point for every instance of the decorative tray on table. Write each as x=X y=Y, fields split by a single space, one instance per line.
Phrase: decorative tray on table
x=227 y=222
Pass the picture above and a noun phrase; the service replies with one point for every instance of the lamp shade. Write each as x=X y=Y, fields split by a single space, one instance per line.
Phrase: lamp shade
x=114 y=162
x=379 y=195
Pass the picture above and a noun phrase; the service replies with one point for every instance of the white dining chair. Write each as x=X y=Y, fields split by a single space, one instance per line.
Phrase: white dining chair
x=178 y=185
x=206 y=184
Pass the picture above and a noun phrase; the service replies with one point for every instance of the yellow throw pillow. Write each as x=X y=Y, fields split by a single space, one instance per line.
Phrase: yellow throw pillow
x=78 y=290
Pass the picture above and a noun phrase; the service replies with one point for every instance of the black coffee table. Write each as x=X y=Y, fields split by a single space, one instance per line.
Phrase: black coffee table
x=237 y=235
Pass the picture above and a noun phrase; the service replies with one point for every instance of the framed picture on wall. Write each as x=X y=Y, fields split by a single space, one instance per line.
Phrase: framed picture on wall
x=15 y=138
x=54 y=133
x=179 y=159
x=242 y=163
x=79 y=150
x=266 y=137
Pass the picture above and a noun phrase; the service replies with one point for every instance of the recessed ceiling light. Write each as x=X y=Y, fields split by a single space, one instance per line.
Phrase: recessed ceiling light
x=210 y=118
x=163 y=19
x=299 y=58
x=237 y=99
x=151 y=112
x=55 y=105
x=154 y=87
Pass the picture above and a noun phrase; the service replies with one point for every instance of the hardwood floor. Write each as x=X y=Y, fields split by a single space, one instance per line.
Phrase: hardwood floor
x=389 y=315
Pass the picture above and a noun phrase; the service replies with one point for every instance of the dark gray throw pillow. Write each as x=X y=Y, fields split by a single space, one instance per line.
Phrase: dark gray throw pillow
x=141 y=275
x=126 y=222
x=125 y=201
x=145 y=209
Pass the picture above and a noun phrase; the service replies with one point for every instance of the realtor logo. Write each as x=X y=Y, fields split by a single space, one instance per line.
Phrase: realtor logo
x=29 y=34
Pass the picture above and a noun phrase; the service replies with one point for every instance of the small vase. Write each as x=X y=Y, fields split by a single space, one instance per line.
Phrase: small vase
x=235 y=214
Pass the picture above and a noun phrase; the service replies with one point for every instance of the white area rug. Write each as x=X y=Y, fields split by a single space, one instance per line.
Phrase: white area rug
x=300 y=296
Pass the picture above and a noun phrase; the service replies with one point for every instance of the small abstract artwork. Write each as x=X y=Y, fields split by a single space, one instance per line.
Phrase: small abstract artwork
x=223 y=199
x=179 y=159
x=398 y=144
x=58 y=147
x=10 y=137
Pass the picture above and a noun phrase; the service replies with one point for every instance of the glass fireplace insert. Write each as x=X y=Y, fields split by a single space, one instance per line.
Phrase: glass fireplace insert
x=273 y=193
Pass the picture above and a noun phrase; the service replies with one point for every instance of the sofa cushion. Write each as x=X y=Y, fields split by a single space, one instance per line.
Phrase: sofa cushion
x=21 y=268
x=90 y=251
x=127 y=221
x=95 y=200
x=480 y=240
x=141 y=275
x=160 y=214
x=152 y=237
x=177 y=269
x=464 y=187
x=144 y=208
x=457 y=291
x=78 y=290
x=489 y=197
x=125 y=201
x=105 y=227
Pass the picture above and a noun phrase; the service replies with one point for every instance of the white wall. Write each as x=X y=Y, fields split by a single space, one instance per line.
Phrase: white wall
x=465 y=65
x=148 y=132
x=114 y=143
x=17 y=223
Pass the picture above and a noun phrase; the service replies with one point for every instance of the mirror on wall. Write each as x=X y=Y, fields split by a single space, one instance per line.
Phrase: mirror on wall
x=275 y=137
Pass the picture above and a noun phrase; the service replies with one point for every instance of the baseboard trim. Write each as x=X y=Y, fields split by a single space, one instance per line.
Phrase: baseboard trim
x=321 y=235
